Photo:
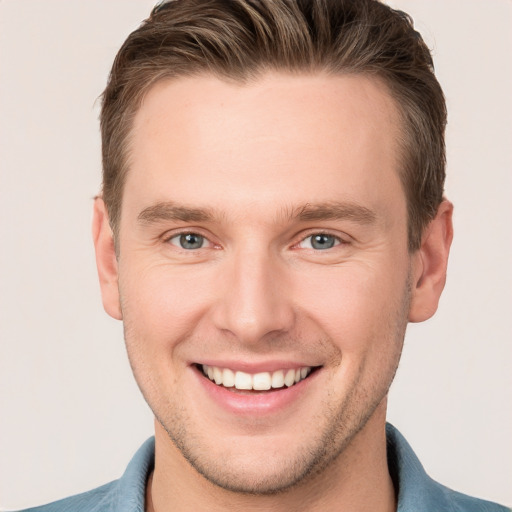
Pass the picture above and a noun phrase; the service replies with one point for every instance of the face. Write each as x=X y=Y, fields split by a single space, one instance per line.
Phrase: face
x=263 y=270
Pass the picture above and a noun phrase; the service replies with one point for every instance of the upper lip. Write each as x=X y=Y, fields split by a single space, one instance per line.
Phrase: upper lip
x=255 y=367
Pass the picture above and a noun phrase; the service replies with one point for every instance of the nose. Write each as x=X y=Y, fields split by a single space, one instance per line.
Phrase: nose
x=254 y=302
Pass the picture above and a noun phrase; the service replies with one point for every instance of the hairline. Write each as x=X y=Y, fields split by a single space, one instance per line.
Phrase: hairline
x=252 y=76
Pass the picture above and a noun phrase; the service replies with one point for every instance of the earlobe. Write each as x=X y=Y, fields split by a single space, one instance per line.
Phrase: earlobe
x=429 y=264
x=106 y=261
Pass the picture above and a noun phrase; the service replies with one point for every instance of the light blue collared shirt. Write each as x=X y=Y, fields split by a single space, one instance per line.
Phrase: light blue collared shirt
x=417 y=492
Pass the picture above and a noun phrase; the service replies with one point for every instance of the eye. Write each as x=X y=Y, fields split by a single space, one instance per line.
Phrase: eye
x=319 y=241
x=189 y=241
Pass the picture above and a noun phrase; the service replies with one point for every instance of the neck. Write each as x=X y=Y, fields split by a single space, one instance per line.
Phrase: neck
x=357 y=480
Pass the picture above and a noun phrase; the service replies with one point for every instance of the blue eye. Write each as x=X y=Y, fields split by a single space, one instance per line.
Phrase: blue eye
x=188 y=241
x=319 y=242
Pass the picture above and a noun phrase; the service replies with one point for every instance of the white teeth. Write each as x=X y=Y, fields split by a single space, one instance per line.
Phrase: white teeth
x=243 y=380
x=259 y=381
x=278 y=379
x=289 y=378
x=217 y=375
x=228 y=378
x=262 y=381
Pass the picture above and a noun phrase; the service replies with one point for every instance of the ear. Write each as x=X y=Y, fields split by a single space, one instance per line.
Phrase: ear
x=106 y=261
x=429 y=264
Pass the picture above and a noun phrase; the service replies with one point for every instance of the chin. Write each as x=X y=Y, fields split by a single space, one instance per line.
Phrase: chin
x=263 y=476
x=259 y=465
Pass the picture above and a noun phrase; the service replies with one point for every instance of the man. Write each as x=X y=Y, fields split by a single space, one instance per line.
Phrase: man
x=271 y=217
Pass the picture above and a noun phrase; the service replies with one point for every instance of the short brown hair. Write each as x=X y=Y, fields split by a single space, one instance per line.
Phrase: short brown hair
x=241 y=39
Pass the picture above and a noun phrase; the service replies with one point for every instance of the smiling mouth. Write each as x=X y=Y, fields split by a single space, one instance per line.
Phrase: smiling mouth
x=263 y=381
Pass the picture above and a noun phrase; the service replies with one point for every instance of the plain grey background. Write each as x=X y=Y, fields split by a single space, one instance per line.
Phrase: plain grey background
x=71 y=415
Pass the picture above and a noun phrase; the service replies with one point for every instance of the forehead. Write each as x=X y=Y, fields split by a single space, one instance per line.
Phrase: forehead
x=313 y=135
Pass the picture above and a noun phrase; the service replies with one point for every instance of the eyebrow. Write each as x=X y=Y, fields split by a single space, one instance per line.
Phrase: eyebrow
x=169 y=211
x=333 y=210
x=336 y=211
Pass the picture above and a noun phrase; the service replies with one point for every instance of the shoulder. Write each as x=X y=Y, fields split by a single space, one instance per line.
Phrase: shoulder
x=96 y=500
x=459 y=502
x=124 y=495
x=417 y=492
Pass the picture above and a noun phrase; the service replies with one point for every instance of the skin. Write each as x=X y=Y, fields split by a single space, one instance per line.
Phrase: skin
x=253 y=157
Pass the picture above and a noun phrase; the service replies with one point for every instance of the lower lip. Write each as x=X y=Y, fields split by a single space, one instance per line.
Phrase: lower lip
x=260 y=403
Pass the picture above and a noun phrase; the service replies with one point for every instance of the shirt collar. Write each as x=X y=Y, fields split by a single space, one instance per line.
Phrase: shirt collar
x=130 y=492
x=416 y=490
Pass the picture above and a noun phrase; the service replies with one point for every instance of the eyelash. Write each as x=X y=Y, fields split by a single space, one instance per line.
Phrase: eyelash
x=337 y=240
x=184 y=234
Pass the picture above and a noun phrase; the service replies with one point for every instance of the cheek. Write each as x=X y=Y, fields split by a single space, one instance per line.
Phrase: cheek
x=161 y=308
x=359 y=307
x=162 y=304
